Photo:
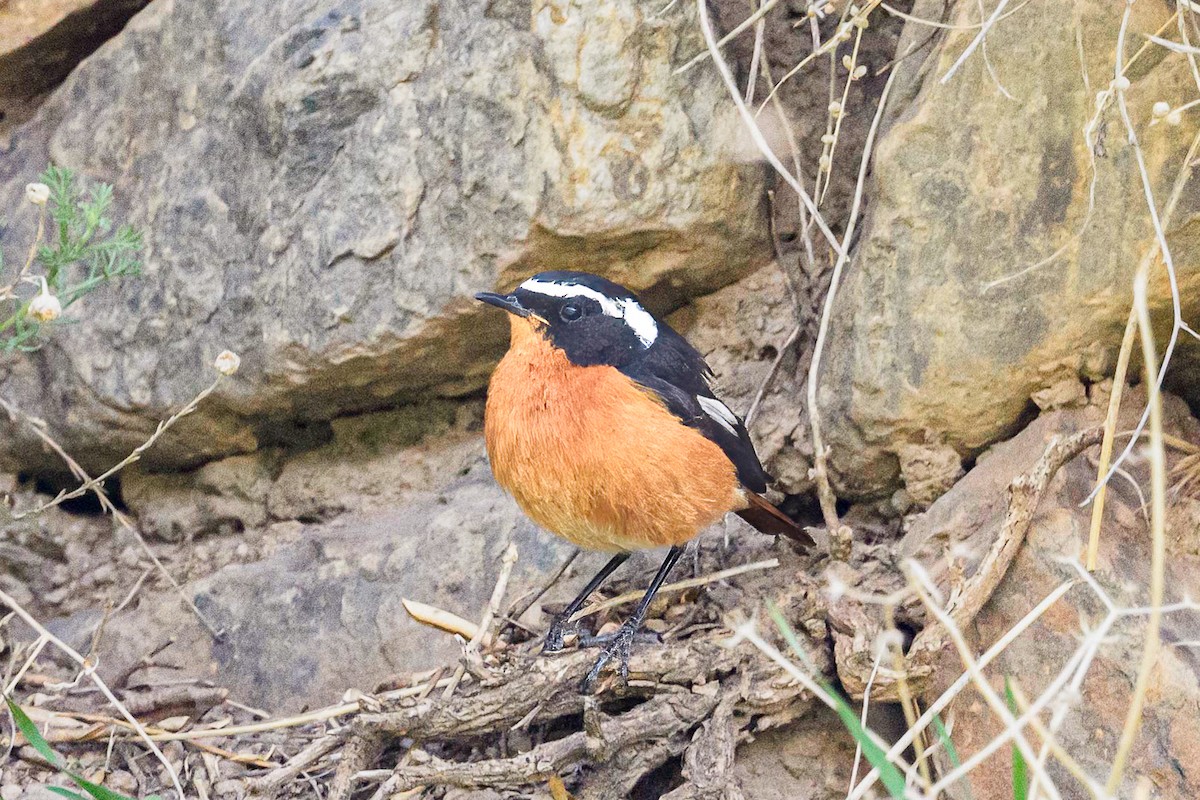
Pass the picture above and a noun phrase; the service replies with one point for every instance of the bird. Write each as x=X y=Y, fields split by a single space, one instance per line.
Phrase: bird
x=604 y=425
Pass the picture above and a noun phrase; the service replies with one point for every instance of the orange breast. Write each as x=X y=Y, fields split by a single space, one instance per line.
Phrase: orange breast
x=594 y=458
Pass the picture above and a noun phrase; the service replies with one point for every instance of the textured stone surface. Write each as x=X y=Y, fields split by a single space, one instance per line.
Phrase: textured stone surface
x=322 y=613
x=324 y=188
x=970 y=187
x=964 y=522
x=41 y=40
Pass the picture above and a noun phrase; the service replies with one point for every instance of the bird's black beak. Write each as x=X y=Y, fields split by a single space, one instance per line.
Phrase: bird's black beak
x=504 y=301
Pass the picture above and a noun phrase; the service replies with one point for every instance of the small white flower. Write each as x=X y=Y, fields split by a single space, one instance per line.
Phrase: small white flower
x=1160 y=109
x=825 y=162
x=1121 y=83
x=859 y=71
x=45 y=306
x=828 y=138
x=862 y=23
x=835 y=108
x=228 y=362
x=37 y=193
x=847 y=62
x=1175 y=117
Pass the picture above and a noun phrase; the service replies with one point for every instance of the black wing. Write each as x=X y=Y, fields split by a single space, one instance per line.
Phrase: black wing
x=677 y=373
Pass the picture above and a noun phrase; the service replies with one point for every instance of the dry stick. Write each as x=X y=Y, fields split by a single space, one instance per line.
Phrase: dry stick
x=89 y=669
x=752 y=73
x=679 y=586
x=1025 y=493
x=1119 y=80
x=471 y=652
x=1158 y=510
x=64 y=495
x=1110 y=429
x=1114 y=401
x=770 y=376
x=749 y=632
x=986 y=690
x=961 y=682
x=970 y=26
x=983 y=32
x=830 y=44
x=97 y=488
x=1066 y=759
x=518 y=611
x=315 y=750
x=907 y=703
x=727 y=38
x=820 y=471
x=755 y=132
x=656 y=718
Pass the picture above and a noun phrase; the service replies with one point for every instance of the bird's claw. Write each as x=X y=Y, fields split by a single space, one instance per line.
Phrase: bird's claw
x=617 y=648
x=556 y=637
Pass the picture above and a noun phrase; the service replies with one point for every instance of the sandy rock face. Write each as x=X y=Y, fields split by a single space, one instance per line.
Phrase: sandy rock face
x=962 y=524
x=323 y=190
x=942 y=325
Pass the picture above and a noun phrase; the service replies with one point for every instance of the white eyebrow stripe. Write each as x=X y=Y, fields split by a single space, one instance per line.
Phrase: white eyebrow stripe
x=719 y=412
x=639 y=320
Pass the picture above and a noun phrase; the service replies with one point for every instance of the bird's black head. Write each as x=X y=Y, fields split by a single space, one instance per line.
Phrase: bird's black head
x=591 y=319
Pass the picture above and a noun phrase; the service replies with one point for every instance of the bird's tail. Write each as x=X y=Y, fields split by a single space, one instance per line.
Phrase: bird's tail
x=767 y=518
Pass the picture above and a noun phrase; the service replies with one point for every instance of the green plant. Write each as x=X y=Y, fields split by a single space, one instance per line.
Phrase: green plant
x=81 y=252
x=1020 y=783
x=38 y=742
x=889 y=774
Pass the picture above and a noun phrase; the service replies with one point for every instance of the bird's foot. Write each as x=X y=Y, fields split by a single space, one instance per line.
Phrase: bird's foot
x=556 y=636
x=616 y=647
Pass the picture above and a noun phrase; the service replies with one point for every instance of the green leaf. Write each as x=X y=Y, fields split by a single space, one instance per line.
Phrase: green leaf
x=95 y=790
x=65 y=792
x=30 y=732
x=1020 y=783
x=944 y=736
x=889 y=774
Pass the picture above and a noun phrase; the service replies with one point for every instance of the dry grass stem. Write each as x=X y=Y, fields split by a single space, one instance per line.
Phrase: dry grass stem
x=678 y=586
x=88 y=669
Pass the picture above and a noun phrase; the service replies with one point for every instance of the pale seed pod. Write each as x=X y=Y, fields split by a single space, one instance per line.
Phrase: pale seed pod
x=37 y=193
x=227 y=362
x=45 y=307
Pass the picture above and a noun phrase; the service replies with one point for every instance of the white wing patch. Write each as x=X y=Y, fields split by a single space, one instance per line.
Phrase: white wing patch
x=639 y=320
x=720 y=413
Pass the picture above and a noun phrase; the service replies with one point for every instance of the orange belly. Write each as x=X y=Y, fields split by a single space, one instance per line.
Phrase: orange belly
x=594 y=458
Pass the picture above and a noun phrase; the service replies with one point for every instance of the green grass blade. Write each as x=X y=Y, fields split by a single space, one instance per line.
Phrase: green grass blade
x=65 y=792
x=1019 y=781
x=30 y=732
x=889 y=775
x=944 y=736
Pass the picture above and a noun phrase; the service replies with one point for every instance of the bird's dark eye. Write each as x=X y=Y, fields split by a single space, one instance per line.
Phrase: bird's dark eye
x=570 y=312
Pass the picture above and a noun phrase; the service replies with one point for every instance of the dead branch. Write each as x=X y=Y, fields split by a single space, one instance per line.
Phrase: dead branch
x=657 y=718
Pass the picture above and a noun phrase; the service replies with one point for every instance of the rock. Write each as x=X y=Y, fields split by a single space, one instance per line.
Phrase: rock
x=324 y=189
x=322 y=614
x=964 y=522
x=941 y=324
x=809 y=758
x=377 y=461
x=42 y=40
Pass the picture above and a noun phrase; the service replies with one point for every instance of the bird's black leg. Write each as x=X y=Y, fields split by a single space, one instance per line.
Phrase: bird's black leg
x=554 y=637
x=618 y=648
